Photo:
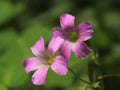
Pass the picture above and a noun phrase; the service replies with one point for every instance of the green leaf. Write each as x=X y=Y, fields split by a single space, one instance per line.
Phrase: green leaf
x=96 y=85
x=92 y=86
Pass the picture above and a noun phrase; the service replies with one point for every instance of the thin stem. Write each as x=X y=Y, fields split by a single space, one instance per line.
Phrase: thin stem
x=79 y=78
x=97 y=62
x=109 y=75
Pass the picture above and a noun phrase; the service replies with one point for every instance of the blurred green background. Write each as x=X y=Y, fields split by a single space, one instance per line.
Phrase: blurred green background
x=22 y=22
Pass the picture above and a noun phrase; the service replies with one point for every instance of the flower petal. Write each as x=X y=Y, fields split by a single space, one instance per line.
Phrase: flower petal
x=65 y=49
x=54 y=44
x=80 y=49
x=38 y=49
x=60 y=65
x=57 y=32
x=39 y=77
x=67 y=21
x=83 y=27
x=86 y=35
x=32 y=64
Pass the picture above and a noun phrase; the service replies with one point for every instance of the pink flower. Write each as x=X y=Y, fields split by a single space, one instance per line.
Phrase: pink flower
x=45 y=59
x=73 y=37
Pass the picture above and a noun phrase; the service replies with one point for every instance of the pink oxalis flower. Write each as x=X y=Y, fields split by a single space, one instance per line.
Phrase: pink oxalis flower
x=45 y=59
x=73 y=37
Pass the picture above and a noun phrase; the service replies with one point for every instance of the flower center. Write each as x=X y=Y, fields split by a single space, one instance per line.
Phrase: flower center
x=49 y=60
x=73 y=36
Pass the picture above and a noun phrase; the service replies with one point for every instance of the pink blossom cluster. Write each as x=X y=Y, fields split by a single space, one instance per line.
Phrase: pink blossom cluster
x=64 y=40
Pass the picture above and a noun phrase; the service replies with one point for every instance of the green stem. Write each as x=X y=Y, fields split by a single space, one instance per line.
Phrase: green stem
x=109 y=75
x=97 y=64
x=106 y=76
x=79 y=78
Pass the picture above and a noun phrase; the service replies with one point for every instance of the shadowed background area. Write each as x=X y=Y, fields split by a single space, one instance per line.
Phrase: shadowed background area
x=22 y=22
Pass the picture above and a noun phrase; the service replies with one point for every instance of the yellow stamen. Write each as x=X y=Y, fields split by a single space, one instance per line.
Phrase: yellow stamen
x=49 y=60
